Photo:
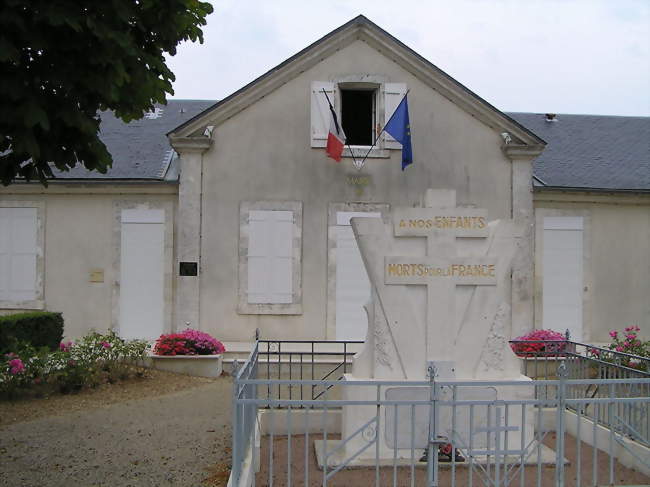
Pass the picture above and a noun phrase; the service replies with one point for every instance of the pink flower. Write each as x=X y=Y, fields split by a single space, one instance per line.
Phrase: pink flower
x=613 y=334
x=619 y=348
x=630 y=336
x=16 y=366
x=106 y=345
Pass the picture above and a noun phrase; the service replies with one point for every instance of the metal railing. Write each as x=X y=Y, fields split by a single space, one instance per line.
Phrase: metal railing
x=304 y=360
x=493 y=442
x=586 y=362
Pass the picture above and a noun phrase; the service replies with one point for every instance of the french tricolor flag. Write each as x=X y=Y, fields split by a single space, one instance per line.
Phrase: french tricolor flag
x=335 y=137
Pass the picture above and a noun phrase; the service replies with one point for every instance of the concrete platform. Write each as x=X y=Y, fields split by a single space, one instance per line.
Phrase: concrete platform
x=547 y=456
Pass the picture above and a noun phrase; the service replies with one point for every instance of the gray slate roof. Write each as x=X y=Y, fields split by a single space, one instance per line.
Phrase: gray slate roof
x=140 y=149
x=592 y=151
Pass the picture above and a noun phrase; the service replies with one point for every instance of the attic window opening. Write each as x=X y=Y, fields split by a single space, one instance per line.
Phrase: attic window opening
x=358 y=115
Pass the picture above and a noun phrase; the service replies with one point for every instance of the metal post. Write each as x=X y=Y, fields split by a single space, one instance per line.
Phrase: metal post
x=236 y=440
x=432 y=455
x=559 y=446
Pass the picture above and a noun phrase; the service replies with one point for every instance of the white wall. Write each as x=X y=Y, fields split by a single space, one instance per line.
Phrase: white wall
x=80 y=222
x=616 y=251
x=264 y=153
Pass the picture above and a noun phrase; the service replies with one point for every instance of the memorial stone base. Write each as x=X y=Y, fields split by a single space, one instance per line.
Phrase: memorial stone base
x=416 y=432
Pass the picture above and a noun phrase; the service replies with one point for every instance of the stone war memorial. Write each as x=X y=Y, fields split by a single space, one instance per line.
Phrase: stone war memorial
x=441 y=301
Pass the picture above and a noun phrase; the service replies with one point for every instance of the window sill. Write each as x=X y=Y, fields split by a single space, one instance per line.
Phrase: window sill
x=23 y=305
x=269 y=309
x=360 y=151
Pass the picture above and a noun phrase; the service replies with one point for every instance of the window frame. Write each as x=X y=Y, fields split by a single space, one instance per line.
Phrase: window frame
x=39 y=300
x=295 y=306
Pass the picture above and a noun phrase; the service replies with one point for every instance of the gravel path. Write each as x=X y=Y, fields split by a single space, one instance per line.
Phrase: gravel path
x=179 y=439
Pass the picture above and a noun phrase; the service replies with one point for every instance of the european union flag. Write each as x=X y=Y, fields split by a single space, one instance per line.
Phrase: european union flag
x=400 y=128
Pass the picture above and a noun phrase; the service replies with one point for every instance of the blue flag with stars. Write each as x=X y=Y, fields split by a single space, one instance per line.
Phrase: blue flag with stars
x=400 y=128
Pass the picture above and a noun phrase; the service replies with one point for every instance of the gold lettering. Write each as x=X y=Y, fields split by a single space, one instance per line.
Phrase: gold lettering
x=481 y=222
x=461 y=270
x=392 y=270
x=405 y=269
x=413 y=223
x=402 y=223
x=421 y=270
x=437 y=222
x=491 y=270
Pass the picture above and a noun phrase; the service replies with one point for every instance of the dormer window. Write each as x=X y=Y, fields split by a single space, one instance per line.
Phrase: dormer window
x=358 y=115
x=363 y=105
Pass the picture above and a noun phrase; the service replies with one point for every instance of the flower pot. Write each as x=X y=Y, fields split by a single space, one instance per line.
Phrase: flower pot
x=196 y=365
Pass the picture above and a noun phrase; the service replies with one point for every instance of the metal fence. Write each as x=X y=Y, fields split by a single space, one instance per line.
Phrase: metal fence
x=398 y=433
x=541 y=359
x=304 y=360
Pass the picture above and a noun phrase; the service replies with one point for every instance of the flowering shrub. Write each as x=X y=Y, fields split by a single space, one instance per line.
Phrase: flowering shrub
x=536 y=343
x=188 y=342
x=626 y=342
x=93 y=359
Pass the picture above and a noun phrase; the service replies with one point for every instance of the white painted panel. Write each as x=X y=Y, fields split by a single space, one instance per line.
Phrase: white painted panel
x=393 y=94
x=18 y=254
x=563 y=223
x=143 y=215
x=270 y=257
x=563 y=275
x=343 y=217
x=320 y=112
x=352 y=283
x=142 y=277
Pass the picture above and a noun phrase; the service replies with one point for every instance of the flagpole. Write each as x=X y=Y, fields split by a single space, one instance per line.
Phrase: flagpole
x=346 y=140
x=384 y=127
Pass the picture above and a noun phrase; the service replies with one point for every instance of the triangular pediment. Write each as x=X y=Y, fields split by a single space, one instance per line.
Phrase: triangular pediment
x=360 y=28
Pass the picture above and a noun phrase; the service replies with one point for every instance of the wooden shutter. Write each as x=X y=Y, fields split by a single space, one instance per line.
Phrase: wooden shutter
x=562 y=254
x=270 y=257
x=18 y=252
x=320 y=112
x=393 y=94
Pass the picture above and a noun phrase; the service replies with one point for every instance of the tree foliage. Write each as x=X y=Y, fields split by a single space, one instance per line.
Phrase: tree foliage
x=63 y=61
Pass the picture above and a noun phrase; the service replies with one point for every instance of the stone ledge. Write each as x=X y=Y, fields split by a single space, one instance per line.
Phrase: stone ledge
x=196 y=365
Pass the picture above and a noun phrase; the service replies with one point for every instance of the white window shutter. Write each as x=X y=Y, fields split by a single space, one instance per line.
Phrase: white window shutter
x=270 y=257
x=320 y=112
x=393 y=94
x=18 y=252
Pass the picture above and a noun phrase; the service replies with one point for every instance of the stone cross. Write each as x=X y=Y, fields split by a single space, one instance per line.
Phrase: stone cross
x=441 y=222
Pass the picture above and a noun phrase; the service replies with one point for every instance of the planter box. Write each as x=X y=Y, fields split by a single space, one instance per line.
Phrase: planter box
x=196 y=365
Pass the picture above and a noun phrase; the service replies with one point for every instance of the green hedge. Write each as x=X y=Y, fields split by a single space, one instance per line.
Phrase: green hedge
x=39 y=328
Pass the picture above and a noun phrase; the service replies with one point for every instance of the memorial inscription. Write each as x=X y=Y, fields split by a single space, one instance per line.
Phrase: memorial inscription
x=441 y=270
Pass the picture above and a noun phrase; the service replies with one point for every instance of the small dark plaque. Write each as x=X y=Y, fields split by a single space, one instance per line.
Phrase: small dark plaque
x=188 y=269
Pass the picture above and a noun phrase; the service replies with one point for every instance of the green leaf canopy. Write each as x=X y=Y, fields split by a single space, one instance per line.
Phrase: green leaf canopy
x=61 y=62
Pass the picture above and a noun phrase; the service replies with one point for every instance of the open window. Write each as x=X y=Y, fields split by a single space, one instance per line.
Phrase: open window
x=363 y=109
x=359 y=114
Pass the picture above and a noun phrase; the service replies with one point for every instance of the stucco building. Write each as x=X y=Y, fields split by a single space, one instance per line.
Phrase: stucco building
x=229 y=217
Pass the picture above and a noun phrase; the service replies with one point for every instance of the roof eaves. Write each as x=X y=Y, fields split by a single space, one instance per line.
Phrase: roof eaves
x=358 y=22
x=592 y=190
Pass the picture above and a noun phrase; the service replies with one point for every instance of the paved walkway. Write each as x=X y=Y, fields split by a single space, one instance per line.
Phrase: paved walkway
x=165 y=440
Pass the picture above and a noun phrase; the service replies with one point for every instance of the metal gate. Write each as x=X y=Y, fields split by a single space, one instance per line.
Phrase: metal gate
x=435 y=433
